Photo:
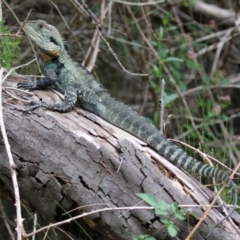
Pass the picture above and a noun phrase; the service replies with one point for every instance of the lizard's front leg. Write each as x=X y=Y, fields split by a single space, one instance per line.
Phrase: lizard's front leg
x=42 y=83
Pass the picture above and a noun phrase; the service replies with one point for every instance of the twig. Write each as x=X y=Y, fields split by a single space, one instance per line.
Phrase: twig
x=95 y=43
x=34 y=225
x=17 y=98
x=19 y=227
x=10 y=35
x=139 y=4
x=84 y=215
x=218 y=52
x=0 y=10
x=161 y=107
x=204 y=215
x=227 y=16
x=63 y=232
x=83 y=11
x=115 y=56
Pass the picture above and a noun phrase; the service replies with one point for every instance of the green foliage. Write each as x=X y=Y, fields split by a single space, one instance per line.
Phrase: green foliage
x=144 y=237
x=163 y=208
x=188 y=3
x=177 y=51
x=9 y=49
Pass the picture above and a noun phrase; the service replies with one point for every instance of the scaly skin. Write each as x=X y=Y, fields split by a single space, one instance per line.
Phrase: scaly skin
x=80 y=88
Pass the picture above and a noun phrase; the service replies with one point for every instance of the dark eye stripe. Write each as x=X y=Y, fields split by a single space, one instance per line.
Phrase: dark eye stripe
x=53 y=40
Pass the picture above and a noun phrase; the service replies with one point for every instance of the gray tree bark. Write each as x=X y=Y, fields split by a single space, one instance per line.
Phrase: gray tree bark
x=76 y=159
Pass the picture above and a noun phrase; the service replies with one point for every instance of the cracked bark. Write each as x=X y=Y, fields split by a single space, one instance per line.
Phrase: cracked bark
x=71 y=159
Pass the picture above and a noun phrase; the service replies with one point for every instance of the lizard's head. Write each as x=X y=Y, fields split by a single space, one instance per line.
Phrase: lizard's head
x=46 y=38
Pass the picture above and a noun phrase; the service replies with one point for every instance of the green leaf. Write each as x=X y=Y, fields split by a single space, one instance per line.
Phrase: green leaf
x=172 y=230
x=144 y=237
x=158 y=211
x=161 y=208
x=173 y=59
x=148 y=198
x=153 y=84
x=161 y=32
x=168 y=98
x=163 y=205
x=180 y=216
x=165 y=221
x=156 y=70
x=174 y=207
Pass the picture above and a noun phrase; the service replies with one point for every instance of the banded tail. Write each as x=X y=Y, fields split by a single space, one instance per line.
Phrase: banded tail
x=125 y=118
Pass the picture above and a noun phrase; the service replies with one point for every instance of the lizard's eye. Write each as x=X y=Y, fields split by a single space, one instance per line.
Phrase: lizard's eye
x=40 y=25
x=53 y=40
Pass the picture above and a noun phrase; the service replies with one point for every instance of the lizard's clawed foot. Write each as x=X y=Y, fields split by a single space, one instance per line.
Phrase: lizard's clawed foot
x=26 y=85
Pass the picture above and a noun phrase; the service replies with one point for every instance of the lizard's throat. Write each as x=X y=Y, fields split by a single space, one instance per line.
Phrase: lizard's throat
x=47 y=55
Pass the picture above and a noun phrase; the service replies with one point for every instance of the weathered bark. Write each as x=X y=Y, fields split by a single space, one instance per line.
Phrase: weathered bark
x=72 y=159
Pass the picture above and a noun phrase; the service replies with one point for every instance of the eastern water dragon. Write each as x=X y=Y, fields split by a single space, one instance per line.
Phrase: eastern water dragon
x=80 y=87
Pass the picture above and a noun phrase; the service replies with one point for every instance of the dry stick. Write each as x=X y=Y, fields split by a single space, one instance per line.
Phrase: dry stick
x=161 y=107
x=210 y=207
x=204 y=215
x=215 y=45
x=95 y=36
x=230 y=145
x=86 y=13
x=109 y=18
x=139 y=4
x=34 y=225
x=207 y=157
x=89 y=11
x=98 y=211
x=63 y=232
x=19 y=227
x=0 y=10
x=226 y=15
x=86 y=214
x=218 y=52
x=95 y=41
x=46 y=233
x=115 y=56
x=10 y=35
x=218 y=194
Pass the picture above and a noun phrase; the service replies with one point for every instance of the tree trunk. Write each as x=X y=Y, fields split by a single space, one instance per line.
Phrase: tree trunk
x=76 y=159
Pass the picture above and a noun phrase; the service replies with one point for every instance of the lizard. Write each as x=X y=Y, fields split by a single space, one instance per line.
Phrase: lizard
x=80 y=88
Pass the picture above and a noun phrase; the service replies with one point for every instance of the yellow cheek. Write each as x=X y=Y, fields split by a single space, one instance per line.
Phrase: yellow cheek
x=46 y=58
x=55 y=53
